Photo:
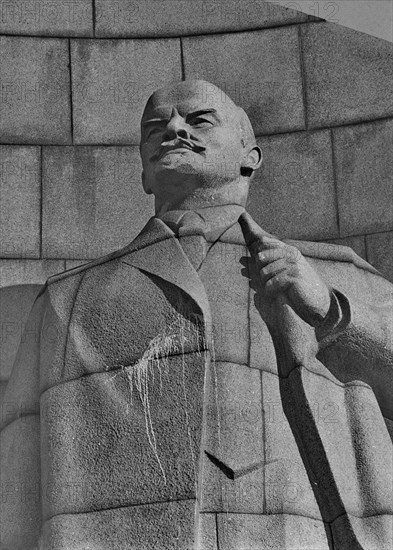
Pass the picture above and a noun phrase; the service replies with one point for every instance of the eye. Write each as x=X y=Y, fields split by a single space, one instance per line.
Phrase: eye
x=200 y=121
x=153 y=131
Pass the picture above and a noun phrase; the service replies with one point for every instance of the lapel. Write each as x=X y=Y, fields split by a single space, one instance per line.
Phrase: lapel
x=156 y=251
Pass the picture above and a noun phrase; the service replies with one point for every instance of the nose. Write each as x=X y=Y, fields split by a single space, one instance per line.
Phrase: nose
x=176 y=127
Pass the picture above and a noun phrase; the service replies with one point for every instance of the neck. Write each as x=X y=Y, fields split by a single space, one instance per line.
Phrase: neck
x=231 y=193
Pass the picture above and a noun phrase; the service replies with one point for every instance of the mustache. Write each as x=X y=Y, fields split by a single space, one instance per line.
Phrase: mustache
x=179 y=143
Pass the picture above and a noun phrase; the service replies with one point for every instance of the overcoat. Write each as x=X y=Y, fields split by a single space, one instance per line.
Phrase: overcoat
x=166 y=407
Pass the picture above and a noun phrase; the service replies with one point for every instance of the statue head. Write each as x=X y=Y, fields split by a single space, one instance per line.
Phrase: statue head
x=197 y=147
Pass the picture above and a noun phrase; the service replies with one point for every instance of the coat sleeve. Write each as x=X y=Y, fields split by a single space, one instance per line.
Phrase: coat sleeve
x=20 y=509
x=356 y=338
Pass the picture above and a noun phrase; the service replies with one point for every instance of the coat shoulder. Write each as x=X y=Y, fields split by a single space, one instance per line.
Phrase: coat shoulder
x=332 y=253
x=76 y=272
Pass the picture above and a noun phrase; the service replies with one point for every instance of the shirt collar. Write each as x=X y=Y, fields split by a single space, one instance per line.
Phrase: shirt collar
x=215 y=217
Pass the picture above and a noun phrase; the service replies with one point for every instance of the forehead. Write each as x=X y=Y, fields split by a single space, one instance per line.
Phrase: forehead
x=187 y=98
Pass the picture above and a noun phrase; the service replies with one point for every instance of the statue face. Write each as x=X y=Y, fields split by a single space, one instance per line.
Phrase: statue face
x=191 y=139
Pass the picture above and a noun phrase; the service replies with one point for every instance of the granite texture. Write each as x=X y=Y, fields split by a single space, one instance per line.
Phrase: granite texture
x=93 y=202
x=364 y=169
x=46 y=18
x=253 y=532
x=35 y=99
x=357 y=243
x=20 y=483
x=348 y=75
x=161 y=526
x=260 y=71
x=20 y=187
x=16 y=303
x=379 y=253
x=111 y=81
x=293 y=193
x=25 y=272
x=130 y=18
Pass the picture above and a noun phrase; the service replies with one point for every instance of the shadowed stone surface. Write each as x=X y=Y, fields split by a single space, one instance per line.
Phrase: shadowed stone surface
x=364 y=168
x=92 y=200
x=21 y=280
x=34 y=17
x=34 y=105
x=111 y=81
x=260 y=71
x=379 y=253
x=20 y=482
x=293 y=193
x=180 y=17
x=348 y=74
x=16 y=303
x=20 y=177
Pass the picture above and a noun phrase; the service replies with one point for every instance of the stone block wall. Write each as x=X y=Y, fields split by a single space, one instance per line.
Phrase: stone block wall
x=74 y=79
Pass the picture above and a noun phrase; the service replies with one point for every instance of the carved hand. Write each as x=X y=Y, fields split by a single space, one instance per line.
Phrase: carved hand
x=283 y=269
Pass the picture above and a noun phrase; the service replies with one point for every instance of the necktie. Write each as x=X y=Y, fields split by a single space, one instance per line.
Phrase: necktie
x=190 y=231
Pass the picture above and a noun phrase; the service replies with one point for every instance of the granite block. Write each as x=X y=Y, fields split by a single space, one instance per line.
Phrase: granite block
x=20 y=484
x=111 y=82
x=228 y=292
x=21 y=398
x=349 y=75
x=114 y=443
x=364 y=168
x=207 y=532
x=35 y=104
x=162 y=526
x=345 y=478
x=380 y=253
x=48 y=18
x=292 y=195
x=357 y=243
x=273 y=532
x=16 y=303
x=93 y=201
x=287 y=487
x=20 y=182
x=28 y=272
x=373 y=533
x=130 y=18
x=259 y=70
x=234 y=454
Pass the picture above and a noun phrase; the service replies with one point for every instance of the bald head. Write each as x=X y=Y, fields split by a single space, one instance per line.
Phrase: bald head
x=194 y=138
x=203 y=93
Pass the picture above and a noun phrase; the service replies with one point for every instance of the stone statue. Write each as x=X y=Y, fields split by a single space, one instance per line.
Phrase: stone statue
x=208 y=386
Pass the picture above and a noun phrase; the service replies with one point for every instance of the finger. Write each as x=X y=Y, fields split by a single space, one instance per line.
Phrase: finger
x=268 y=256
x=251 y=230
x=256 y=239
x=278 y=284
x=272 y=270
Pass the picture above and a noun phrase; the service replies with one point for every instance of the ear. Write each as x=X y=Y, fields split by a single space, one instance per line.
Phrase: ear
x=146 y=189
x=252 y=160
